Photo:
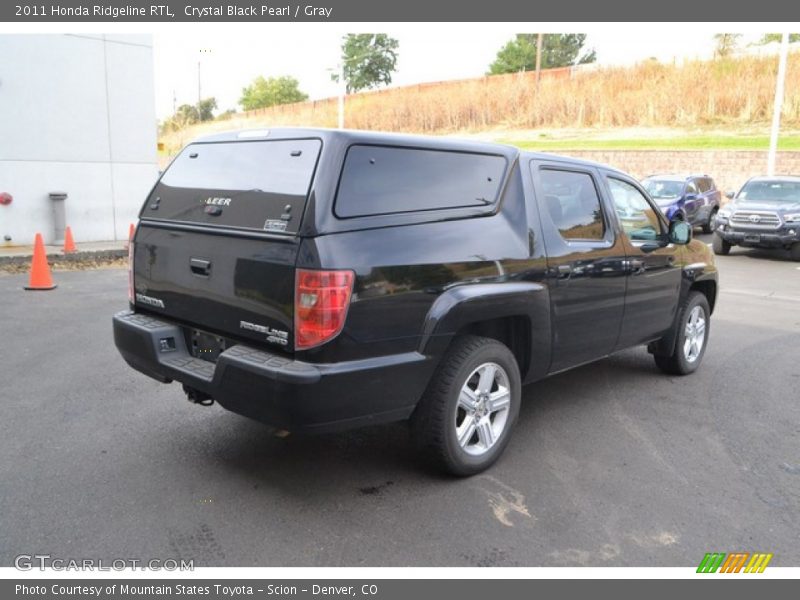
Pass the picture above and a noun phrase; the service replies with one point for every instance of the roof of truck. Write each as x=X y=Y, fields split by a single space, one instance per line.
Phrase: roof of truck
x=402 y=139
x=573 y=160
x=356 y=136
x=775 y=178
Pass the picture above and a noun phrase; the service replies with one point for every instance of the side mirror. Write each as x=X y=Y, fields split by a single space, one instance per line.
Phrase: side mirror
x=729 y=195
x=680 y=232
x=690 y=197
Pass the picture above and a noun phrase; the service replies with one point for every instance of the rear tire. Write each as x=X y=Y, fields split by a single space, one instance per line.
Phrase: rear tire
x=464 y=420
x=794 y=251
x=720 y=246
x=708 y=227
x=693 y=325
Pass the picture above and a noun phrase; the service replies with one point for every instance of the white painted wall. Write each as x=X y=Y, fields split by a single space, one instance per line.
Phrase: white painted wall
x=77 y=114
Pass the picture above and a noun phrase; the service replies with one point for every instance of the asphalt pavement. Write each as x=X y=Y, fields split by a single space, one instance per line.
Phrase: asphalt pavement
x=612 y=464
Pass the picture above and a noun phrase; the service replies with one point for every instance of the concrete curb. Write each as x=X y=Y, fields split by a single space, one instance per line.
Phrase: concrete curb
x=74 y=259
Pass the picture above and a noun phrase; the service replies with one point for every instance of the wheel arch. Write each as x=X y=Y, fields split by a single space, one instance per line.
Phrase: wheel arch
x=708 y=287
x=696 y=279
x=513 y=331
x=516 y=314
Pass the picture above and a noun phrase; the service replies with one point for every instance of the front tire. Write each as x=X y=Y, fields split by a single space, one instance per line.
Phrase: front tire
x=720 y=246
x=690 y=343
x=464 y=421
x=794 y=251
x=708 y=226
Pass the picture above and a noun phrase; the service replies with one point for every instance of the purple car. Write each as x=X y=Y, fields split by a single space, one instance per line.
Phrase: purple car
x=691 y=198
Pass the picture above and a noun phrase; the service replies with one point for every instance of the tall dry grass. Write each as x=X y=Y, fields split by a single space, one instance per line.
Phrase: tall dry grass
x=736 y=91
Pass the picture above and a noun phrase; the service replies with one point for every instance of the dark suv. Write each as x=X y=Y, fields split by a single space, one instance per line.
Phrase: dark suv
x=693 y=198
x=764 y=214
x=319 y=280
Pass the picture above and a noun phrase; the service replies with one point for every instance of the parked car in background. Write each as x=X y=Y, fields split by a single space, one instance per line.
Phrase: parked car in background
x=691 y=198
x=764 y=214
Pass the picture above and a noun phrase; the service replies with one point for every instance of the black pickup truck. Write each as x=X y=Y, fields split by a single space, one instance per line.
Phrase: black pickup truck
x=318 y=280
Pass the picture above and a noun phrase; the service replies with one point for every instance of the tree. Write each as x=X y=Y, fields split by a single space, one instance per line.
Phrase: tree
x=768 y=38
x=270 y=92
x=726 y=44
x=205 y=109
x=558 y=50
x=368 y=60
x=185 y=115
x=189 y=114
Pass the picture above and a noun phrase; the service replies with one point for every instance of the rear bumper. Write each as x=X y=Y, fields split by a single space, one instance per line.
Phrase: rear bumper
x=275 y=389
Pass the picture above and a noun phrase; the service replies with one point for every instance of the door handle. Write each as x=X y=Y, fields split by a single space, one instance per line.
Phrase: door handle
x=564 y=271
x=200 y=266
x=636 y=266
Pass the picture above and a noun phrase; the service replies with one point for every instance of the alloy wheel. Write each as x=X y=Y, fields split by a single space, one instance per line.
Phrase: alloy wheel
x=483 y=408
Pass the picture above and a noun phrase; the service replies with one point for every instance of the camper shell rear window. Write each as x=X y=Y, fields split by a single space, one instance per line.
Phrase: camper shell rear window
x=261 y=185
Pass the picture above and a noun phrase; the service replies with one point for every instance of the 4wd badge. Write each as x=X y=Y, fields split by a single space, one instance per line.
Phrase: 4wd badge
x=274 y=225
x=276 y=336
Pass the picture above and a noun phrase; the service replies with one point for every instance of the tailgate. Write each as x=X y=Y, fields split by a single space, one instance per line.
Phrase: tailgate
x=216 y=245
x=233 y=286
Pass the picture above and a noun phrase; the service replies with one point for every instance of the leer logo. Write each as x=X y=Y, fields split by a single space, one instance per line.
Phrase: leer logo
x=734 y=562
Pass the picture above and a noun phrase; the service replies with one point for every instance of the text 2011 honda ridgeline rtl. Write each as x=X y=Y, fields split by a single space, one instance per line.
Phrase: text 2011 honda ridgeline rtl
x=318 y=280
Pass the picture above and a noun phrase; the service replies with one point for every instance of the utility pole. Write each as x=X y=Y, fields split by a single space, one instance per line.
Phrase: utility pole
x=780 y=85
x=343 y=83
x=202 y=52
x=342 y=92
x=539 y=41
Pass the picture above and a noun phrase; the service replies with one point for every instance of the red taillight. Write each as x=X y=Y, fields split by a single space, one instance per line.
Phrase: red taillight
x=321 y=299
x=130 y=271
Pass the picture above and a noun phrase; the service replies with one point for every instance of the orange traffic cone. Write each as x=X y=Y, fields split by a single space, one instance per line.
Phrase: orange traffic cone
x=40 y=278
x=69 y=243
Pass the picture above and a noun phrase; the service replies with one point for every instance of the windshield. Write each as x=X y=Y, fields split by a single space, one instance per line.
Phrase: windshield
x=662 y=189
x=771 y=191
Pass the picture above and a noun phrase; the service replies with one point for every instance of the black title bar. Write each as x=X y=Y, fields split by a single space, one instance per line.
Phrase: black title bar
x=71 y=11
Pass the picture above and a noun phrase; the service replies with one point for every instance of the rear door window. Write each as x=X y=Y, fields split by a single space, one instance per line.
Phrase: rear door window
x=573 y=204
x=252 y=185
x=379 y=180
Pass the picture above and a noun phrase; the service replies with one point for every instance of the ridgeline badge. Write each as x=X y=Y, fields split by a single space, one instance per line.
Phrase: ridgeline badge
x=275 y=336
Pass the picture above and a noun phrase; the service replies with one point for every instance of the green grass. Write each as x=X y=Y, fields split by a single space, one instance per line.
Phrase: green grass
x=699 y=142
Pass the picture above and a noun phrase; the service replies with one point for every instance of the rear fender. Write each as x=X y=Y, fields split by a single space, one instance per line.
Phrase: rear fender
x=465 y=305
